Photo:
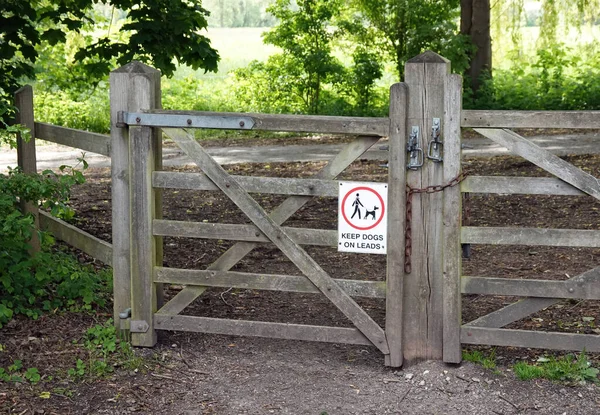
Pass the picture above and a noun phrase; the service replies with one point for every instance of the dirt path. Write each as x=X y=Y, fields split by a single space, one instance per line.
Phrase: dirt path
x=53 y=155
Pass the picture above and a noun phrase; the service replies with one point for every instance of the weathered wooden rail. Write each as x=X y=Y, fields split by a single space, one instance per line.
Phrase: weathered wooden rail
x=27 y=160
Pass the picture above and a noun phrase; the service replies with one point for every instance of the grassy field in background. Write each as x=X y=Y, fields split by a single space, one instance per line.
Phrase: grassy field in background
x=238 y=46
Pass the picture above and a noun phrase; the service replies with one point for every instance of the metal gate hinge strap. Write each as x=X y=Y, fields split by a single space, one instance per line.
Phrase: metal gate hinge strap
x=222 y=122
x=138 y=326
x=408 y=227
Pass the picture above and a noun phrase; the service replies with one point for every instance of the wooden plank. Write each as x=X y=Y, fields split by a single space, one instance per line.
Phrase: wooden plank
x=126 y=94
x=519 y=185
x=544 y=159
x=530 y=119
x=530 y=288
x=252 y=184
x=94 y=247
x=513 y=312
x=260 y=329
x=304 y=123
x=84 y=140
x=143 y=248
x=281 y=239
x=452 y=213
x=423 y=287
x=26 y=157
x=254 y=281
x=530 y=236
x=534 y=339
x=280 y=214
x=250 y=233
x=523 y=308
x=396 y=218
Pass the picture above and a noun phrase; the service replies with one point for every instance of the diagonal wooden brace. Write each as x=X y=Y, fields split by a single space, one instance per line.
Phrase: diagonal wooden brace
x=281 y=239
x=280 y=214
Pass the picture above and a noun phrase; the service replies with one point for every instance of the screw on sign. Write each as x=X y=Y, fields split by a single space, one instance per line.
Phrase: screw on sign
x=362 y=220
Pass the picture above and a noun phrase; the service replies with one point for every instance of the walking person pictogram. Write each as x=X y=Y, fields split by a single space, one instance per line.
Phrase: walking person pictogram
x=356 y=205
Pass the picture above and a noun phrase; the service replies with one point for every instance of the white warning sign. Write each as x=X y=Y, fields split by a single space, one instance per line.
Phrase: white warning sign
x=362 y=217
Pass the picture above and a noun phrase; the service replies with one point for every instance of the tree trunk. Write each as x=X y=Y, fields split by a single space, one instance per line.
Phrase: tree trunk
x=475 y=23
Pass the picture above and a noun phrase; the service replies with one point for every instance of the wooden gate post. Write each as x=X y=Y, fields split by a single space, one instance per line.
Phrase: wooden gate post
x=426 y=77
x=26 y=157
x=396 y=223
x=134 y=87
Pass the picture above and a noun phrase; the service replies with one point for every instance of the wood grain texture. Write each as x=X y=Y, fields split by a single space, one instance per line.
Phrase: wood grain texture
x=452 y=213
x=396 y=218
x=272 y=282
x=530 y=236
x=523 y=308
x=534 y=339
x=252 y=184
x=280 y=214
x=544 y=159
x=423 y=287
x=305 y=123
x=26 y=155
x=143 y=247
x=530 y=288
x=295 y=253
x=84 y=140
x=519 y=185
x=260 y=329
x=125 y=95
x=250 y=233
x=530 y=119
x=94 y=247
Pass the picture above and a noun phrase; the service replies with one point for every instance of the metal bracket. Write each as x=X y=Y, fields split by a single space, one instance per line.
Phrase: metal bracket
x=415 y=153
x=220 y=122
x=138 y=326
x=435 y=148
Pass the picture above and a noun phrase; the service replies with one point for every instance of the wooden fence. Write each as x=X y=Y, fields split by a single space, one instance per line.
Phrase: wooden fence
x=27 y=160
x=424 y=280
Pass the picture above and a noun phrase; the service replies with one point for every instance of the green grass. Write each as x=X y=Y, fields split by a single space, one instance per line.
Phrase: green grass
x=570 y=368
x=488 y=361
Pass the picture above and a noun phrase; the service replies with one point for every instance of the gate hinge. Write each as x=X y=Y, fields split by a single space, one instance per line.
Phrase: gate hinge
x=222 y=122
x=138 y=326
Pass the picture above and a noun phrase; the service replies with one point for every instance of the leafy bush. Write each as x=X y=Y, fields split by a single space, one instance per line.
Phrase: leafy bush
x=46 y=280
x=558 y=79
x=59 y=108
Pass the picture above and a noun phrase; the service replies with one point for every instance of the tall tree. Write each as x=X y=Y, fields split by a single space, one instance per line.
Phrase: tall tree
x=409 y=27
x=475 y=23
x=305 y=36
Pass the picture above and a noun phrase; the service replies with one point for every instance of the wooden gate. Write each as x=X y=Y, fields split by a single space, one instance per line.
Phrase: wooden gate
x=568 y=181
x=424 y=281
x=136 y=133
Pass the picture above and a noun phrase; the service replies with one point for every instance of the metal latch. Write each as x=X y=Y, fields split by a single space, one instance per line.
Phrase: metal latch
x=435 y=147
x=415 y=153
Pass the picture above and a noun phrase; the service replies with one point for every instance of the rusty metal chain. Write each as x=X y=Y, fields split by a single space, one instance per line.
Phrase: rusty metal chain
x=408 y=227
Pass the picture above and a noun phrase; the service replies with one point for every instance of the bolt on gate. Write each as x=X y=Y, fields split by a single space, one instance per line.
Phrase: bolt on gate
x=423 y=285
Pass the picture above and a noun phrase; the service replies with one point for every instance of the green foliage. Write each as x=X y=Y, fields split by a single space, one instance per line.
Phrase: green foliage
x=558 y=79
x=32 y=284
x=409 y=28
x=570 y=368
x=14 y=373
x=305 y=37
x=154 y=31
x=60 y=108
x=105 y=352
x=476 y=356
